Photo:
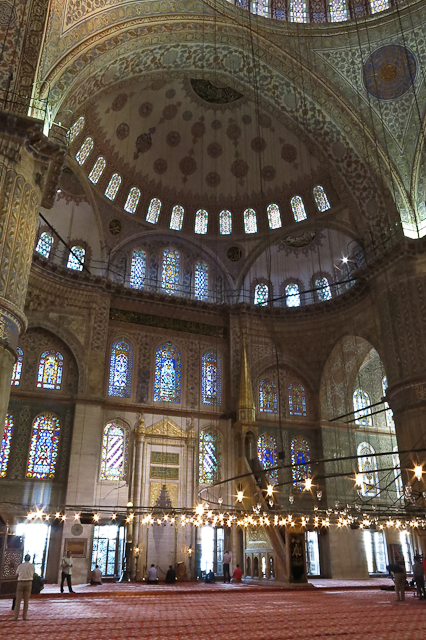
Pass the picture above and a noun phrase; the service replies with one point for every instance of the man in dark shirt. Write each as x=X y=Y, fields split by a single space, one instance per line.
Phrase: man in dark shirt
x=170 y=576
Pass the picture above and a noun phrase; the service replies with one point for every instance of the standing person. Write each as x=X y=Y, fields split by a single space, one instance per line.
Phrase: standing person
x=400 y=577
x=226 y=562
x=25 y=573
x=66 y=566
x=419 y=577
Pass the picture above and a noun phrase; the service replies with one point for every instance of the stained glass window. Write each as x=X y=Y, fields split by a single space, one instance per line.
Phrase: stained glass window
x=176 y=220
x=211 y=378
x=323 y=289
x=367 y=465
x=44 y=244
x=44 y=447
x=399 y=485
x=250 y=221
x=338 y=13
x=5 y=445
x=298 y=11
x=267 y=396
x=83 y=153
x=225 y=222
x=274 y=216
x=120 y=369
x=268 y=456
x=379 y=5
x=17 y=368
x=261 y=294
x=388 y=413
x=138 y=269
x=76 y=258
x=292 y=295
x=114 y=452
x=168 y=373
x=97 y=170
x=201 y=281
x=153 y=211
x=209 y=458
x=298 y=209
x=75 y=130
x=261 y=8
x=300 y=456
x=296 y=399
x=170 y=276
x=362 y=415
x=50 y=369
x=319 y=193
x=201 y=221
x=113 y=186
x=132 y=200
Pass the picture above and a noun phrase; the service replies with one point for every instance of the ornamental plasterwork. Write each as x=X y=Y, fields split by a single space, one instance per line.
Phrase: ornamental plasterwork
x=166 y=428
x=155 y=490
x=257 y=538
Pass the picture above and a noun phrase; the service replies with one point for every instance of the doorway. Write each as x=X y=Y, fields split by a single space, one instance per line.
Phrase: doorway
x=36 y=537
x=313 y=567
x=212 y=550
x=107 y=550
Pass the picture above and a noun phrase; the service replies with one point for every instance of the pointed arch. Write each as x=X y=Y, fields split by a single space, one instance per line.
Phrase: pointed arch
x=267 y=454
x=211 y=377
x=296 y=399
x=261 y=294
x=292 y=295
x=153 y=211
x=300 y=458
x=84 y=151
x=76 y=258
x=44 y=244
x=176 y=220
x=201 y=221
x=132 y=200
x=362 y=414
x=168 y=373
x=209 y=456
x=97 y=170
x=120 y=369
x=50 y=370
x=268 y=396
x=367 y=465
x=320 y=195
x=250 y=221
x=113 y=186
x=225 y=222
x=274 y=216
x=115 y=444
x=44 y=447
x=17 y=368
x=298 y=208
x=75 y=130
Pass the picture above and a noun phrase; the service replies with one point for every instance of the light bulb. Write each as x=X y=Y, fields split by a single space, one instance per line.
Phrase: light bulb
x=199 y=509
x=270 y=490
x=76 y=516
x=358 y=479
x=418 y=471
x=308 y=484
x=240 y=496
x=96 y=517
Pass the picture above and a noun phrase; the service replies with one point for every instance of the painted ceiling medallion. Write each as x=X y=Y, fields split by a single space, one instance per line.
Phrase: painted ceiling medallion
x=390 y=72
x=214 y=94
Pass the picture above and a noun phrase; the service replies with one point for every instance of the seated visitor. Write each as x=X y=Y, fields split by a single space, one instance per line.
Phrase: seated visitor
x=170 y=576
x=38 y=584
x=237 y=575
x=152 y=577
x=96 y=577
x=210 y=578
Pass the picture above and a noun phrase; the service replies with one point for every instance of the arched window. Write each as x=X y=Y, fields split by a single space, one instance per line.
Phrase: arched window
x=225 y=222
x=298 y=209
x=274 y=216
x=250 y=221
x=44 y=244
x=50 y=369
x=292 y=295
x=176 y=220
x=379 y=5
x=367 y=465
x=362 y=415
x=75 y=130
x=261 y=8
x=209 y=457
x=319 y=193
x=114 y=452
x=120 y=369
x=201 y=221
x=323 y=289
x=388 y=413
x=97 y=170
x=138 y=269
x=399 y=485
x=296 y=399
x=211 y=378
x=168 y=373
x=76 y=258
x=83 y=153
x=5 y=445
x=132 y=200
x=300 y=458
x=261 y=292
x=267 y=396
x=153 y=211
x=44 y=446
x=338 y=13
x=201 y=281
x=17 y=368
x=268 y=456
x=298 y=12
x=113 y=186
x=170 y=275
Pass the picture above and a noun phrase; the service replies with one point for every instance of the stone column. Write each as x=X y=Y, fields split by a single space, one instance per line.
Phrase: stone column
x=137 y=494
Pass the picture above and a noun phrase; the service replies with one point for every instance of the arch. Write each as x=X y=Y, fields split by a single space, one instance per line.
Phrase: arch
x=17 y=368
x=268 y=396
x=301 y=456
x=211 y=378
x=201 y=281
x=320 y=195
x=168 y=373
x=153 y=212
x=367 y=465
x=5 y=445
x=209 y=456
x=44 y=244
x=76 y=258
x=170 y=271
x=338 y=10
x=120 y=369
x=274 y=216
x=132 y=200
x=201 y=221
x=261 y=294
x=74 y=131
x=138 y=269
x=298 y=208
x=292 y=294
x=176 y=220
x=267 y=454
x=50 y=370
x=113 y=186
x=84 y=151
x=298 y=11
x=296 y=399
x=225 y=222
x=322 y=288
x=97 y=170
x=362 y=414
x=44 y=446
x=114 y=458
x=250 y=221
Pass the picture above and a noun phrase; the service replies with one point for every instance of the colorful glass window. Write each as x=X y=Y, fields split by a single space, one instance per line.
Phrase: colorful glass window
x=338 y=13
x=76 y=258
x=274 y=216
x=379 y=5
x=50 y=369
x=114 y=452
x=44 y=244
x=319 y=193
x=300 y=458
x=261 y=8
x=17 y=368
x=83 y=153
x=261 y=292
x=120 y=369
x=201 y=281
x=388 y=413
x=153 y=211
x=138 y=269
x=168 y=373
x=292 y=295
x=209 y=457
x=176 y=220
x=225 y=222
x=250 y=221
x=6 y=441
x=296 y=399
x=170 y=276
x=132 y=200
x=201 y=221
x=298 y=12
x=44 y=446
x=113 y=186
x=75 y=130
x=362 y=414
x=399 y=485
x=211 y=378
x=323 y=289
x=367 y=465
x=268 y=455
x=267 y=396
x=97 y=170
x=298 y=209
